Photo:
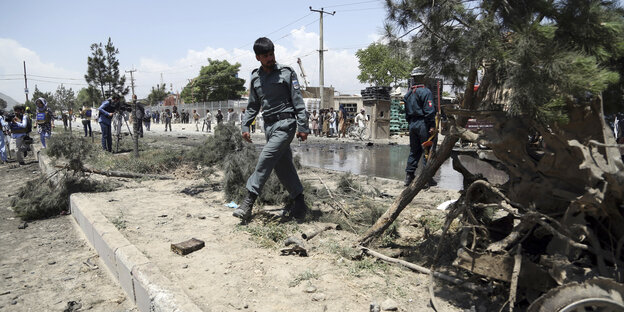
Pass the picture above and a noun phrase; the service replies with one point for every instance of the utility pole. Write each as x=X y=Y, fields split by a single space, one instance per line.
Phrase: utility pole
x=131 y=79
x=135 y=120
x=25 y=83
x=321 y=63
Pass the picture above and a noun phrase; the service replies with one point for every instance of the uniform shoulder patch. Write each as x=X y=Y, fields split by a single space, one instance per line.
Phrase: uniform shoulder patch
x=429 y=102
x=295 y=84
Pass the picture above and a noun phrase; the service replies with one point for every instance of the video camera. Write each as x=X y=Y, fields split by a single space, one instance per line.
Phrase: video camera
x=8 y=116
x=122 y=107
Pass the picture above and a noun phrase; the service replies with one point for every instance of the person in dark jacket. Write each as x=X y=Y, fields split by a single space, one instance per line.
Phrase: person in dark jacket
x=107 y=110
x=420 y=114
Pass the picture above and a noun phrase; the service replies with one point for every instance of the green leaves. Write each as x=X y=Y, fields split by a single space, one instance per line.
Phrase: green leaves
x=383 y=65
x=157 y=94
x=103 y=70
x=218 y=81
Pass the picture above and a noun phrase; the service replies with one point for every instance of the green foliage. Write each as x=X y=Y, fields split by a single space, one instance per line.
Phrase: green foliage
x=382 y=65
x=216 y=82
x=347 y=184
x=48 y=96
x=74 y=149
x=157 y=95
x=272 y=234
x=42 y=198
x=103 y=70
x=367 y=266
x=305 y=276
x=225 y=141
x=535 y=55
x=152 y=161
x=65 y=98
x=88 y=97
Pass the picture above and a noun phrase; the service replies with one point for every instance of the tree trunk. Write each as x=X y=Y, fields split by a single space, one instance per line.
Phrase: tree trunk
x=406 y=197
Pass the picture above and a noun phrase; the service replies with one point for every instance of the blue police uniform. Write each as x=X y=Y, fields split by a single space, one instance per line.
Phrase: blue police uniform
x=278 y=95
x=420 y=114
x=106 y=115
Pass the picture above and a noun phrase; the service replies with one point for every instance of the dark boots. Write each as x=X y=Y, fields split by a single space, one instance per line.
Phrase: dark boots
x=409 y=177
x=244 y=210
x=297 y=210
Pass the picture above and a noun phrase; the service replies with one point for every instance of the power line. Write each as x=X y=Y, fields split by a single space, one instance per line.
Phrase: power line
x=240 y=47
x=364 y=9
x=348 y=4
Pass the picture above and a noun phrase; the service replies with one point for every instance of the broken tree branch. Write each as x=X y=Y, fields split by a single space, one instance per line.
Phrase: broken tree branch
x=410 y=192
x=515 y=274
x=121 y=174
x=418 y=268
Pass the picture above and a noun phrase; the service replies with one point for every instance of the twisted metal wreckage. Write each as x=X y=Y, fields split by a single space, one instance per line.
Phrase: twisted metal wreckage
x=555 y=227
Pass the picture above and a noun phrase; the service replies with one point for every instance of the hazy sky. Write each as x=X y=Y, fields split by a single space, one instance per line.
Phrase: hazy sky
x=175 y=38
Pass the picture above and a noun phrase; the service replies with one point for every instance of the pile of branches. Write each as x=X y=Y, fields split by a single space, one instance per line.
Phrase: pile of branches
x=43 y=198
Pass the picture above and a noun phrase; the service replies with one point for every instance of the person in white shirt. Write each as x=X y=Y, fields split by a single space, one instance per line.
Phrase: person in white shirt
x=361 y=121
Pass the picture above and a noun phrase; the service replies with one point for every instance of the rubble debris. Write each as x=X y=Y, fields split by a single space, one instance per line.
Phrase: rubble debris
x=193 y=190
x=186 y=247
x=296 y=247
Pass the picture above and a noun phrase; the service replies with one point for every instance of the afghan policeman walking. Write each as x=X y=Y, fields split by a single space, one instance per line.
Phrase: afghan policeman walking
x=274 y=89
x=420 y=114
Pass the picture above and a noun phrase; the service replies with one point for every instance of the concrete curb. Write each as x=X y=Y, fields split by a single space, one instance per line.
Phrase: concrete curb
x=140 y=279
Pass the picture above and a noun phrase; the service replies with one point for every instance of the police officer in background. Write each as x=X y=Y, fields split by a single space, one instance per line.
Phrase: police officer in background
x=420 y=114
x=107 y=110
x=274 y=89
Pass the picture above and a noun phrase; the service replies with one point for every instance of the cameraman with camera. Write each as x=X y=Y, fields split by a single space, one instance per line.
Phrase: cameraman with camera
x=19 y=132
x=107 y=110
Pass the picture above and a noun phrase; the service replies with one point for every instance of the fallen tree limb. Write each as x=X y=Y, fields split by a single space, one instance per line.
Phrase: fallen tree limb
x=418 y=268
x=515 y=274
x=410 y=192
x=121 y=174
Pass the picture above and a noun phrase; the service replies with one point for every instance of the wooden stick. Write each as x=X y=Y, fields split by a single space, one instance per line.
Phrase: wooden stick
x=418 y=268
x=514 y=277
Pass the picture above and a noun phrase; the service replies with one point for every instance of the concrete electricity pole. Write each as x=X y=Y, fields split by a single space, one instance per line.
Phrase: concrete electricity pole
x=25 y=83
x=135 y=120
x=321 y=63
x=131 y=79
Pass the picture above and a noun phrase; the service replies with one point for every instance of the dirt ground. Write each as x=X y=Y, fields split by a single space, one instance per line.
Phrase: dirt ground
x=239 y=269
x=49 y=263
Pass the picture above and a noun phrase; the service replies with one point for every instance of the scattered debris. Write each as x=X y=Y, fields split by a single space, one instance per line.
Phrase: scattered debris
x=232 y=205
x=443 y=206
x=90 y=264
x=23 y=225
x=73 y=306
x=193 y=190
x=188 y=246
x=163 y=216
x=297 y=247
